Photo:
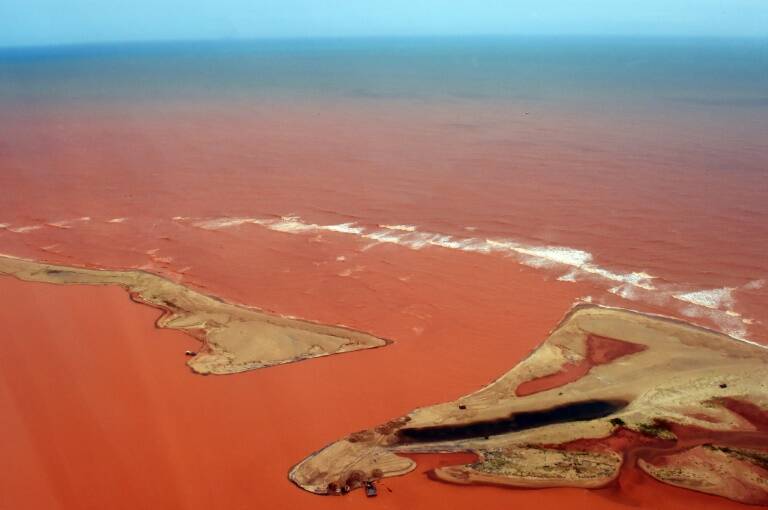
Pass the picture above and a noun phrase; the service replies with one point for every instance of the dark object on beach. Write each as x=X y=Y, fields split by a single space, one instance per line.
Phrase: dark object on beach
x=190 y=353
x=462 y=406
x=723 y=385
x=370 y=489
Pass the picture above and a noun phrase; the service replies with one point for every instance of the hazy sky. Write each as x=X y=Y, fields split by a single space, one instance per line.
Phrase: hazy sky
x=33 y=22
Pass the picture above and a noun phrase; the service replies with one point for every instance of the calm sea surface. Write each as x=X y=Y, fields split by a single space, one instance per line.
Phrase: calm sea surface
x=706 y=72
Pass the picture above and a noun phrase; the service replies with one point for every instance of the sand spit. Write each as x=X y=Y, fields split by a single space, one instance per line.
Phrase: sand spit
x=610 y=389
x=235 y=338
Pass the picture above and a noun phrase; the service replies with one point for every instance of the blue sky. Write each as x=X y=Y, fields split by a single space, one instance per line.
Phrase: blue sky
x=36 y=22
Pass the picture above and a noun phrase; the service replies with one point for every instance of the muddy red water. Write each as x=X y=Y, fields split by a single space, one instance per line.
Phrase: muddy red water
x=600 y=350
x=98 y=409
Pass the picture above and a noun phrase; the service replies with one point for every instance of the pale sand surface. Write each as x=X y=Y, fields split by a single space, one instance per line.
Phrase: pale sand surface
x=235 y=338
x=655 y=390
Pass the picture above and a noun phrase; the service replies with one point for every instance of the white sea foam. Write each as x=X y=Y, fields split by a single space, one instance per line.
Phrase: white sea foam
x=24 y=230
x=344 y=228
x=735 y=328
x=61 y=224
x=715 y=299
x=555 y=255
x=626 y=291
x=406 y=228
x=577 y=262
x=69 y=223
x=218 y=223
x=713 y=304
x=287 y=224
x=570 y=276
x=386 y=236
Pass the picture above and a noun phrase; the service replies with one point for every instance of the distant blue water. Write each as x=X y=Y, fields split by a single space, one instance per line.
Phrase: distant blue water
x=706 y=72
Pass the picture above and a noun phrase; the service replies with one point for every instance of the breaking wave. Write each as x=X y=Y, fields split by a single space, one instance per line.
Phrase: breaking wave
x=575 y=260
x=714 y=298
x=717 y=305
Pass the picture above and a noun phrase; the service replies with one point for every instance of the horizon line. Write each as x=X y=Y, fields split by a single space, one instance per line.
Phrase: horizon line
x=309 y=38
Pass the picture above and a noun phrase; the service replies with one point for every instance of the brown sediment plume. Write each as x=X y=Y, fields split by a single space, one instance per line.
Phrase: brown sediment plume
x=235 y=338
x=684 y=404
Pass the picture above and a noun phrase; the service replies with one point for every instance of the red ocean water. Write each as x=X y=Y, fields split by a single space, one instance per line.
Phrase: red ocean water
x=463 y=229
x=677 y=197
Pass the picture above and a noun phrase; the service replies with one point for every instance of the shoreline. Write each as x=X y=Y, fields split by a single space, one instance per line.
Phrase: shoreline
x=235 y=338
x=100 y=383
x=655 y=391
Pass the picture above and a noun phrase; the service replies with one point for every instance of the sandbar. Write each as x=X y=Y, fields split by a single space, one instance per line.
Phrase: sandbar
x=235 y=338
x=684 y=404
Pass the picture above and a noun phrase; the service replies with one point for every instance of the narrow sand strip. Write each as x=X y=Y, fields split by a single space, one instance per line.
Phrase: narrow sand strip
x=235 y=338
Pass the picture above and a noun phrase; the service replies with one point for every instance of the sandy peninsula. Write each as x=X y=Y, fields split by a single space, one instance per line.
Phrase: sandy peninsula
x=234 y=338
x=609 y=390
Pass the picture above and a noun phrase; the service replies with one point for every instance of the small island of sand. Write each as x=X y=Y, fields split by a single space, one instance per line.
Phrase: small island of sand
x=234 y=338
x=609 y=390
